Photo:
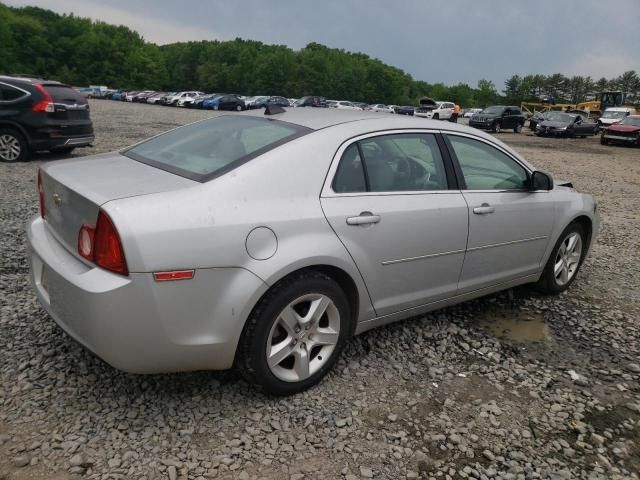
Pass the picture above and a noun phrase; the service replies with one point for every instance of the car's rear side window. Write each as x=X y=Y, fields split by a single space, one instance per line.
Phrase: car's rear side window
x=9 y=93
x=207 y=149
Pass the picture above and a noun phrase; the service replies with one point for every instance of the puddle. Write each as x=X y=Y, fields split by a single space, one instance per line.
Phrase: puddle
x=516 y=326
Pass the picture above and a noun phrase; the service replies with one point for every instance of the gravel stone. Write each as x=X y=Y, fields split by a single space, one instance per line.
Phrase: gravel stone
x=448 y=393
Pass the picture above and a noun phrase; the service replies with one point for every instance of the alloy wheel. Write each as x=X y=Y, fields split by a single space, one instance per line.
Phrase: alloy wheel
x=303 y=337
x=10 y=148
x=568 y=258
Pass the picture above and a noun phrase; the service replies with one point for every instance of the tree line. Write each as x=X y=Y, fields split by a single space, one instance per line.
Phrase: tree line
x=82 y=52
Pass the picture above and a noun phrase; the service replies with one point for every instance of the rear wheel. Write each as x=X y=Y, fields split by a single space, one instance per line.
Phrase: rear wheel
x=295 y=334
x=239 y=108
x=565 y=260
x=517 y=128
x=13 y=146
x=216 y=107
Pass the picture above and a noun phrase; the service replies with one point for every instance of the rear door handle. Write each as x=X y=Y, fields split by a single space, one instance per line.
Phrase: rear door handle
x=365 y=218
x=484 y=209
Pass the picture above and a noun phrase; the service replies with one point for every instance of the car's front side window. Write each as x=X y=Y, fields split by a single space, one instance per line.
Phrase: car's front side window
x=485 y=167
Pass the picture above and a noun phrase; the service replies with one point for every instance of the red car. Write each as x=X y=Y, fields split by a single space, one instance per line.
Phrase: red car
x=627 y=132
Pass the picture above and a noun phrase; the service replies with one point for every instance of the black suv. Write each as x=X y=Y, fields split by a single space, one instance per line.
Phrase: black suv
x=498 y=118
x=311 y=101
x=38 y=114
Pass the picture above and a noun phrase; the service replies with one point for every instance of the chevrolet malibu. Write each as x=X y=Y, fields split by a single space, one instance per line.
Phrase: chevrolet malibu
x=264 y=241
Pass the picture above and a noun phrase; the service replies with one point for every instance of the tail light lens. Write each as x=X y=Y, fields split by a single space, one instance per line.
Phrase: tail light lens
x=41 y=193
x=101 y=244
x=46 y=104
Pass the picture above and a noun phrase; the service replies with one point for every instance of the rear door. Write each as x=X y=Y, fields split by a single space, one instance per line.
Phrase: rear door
x=509 y=225
x=390 y=200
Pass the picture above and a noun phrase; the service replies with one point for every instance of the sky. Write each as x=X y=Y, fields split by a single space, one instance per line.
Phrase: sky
x=449 y=41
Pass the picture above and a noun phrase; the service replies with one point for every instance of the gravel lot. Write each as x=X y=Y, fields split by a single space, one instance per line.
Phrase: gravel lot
x=510 y=387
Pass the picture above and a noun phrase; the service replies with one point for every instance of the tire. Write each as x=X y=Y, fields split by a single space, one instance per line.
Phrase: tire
x=517 y=128
x=603 y=141
x=497 y=127
x=436 y=116
x=552 y=280
x=216 y=107
x=266 y=328
x=13 y=146
x=62 y=150
x=238 y=108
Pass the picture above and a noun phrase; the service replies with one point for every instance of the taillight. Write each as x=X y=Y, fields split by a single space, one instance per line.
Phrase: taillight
x=41 y=193
x=46 y=104
x=102 y=245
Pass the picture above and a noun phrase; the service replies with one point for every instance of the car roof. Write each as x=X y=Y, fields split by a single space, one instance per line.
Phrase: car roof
x=11 y=78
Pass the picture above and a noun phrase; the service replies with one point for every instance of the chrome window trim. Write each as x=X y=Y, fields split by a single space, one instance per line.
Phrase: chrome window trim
x=327 y=188
x=25 y=92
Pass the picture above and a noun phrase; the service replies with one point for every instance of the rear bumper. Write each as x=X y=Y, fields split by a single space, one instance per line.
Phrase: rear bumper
x=136 y=324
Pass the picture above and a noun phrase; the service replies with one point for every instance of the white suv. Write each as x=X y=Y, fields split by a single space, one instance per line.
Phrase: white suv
x=181 y=95
x=441 y=111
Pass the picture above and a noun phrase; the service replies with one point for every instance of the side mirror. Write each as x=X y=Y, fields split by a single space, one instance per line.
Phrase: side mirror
x=540 y=181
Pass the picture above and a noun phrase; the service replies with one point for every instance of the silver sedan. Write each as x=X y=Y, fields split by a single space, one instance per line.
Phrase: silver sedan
x=264 y=241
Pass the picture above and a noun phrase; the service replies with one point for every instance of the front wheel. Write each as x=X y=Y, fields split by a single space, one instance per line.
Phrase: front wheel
x=295 y=334
x=216 y=107
x=436 y=116
x=565 y=260
x=13 y=146
x=497 y=127
x=238 y=108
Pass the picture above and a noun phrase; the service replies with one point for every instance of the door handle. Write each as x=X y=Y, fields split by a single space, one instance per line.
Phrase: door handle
x=365 y=218
x=483 y=209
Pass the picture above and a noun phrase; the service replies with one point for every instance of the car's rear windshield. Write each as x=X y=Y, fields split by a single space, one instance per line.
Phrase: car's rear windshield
x=205 y=150
x=64 y=94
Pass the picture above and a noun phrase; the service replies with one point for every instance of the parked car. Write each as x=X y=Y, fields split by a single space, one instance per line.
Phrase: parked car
x=438 y=111
x=173 y=99
x=560 y=124
x=381 y=107
x=404 y=109
x=224 y=102
x=614 y=115
x=118 y=95
x=536 y=118
x=469 y=113
x=142 y=96
x=263 y=101
x=223 y=249
x=152 y=99
x=255 y=101
x=311 y=101
x=165 y=98
x=362 y=105
x=342 y=105
x=200 y=99
x=188 y=99
x=626 y=132
x=498 y=118
x=128 y=97
x=40 y=114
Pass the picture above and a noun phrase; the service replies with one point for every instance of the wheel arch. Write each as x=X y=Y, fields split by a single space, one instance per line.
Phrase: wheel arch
x=15 y=126
x=586 y=223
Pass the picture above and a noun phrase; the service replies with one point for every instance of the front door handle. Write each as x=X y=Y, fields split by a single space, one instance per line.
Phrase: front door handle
x=365 y=218
x=484 y=209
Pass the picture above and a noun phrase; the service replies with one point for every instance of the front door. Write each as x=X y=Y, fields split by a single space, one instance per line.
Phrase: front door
x=509 y=225
x=390 y=204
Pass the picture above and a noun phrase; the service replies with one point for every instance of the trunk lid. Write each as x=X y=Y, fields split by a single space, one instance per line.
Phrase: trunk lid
x=74 y=190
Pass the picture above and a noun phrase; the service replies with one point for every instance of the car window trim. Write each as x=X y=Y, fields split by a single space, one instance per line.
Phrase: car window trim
x=26 y=93
x=458 y=169
x=327 y=188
